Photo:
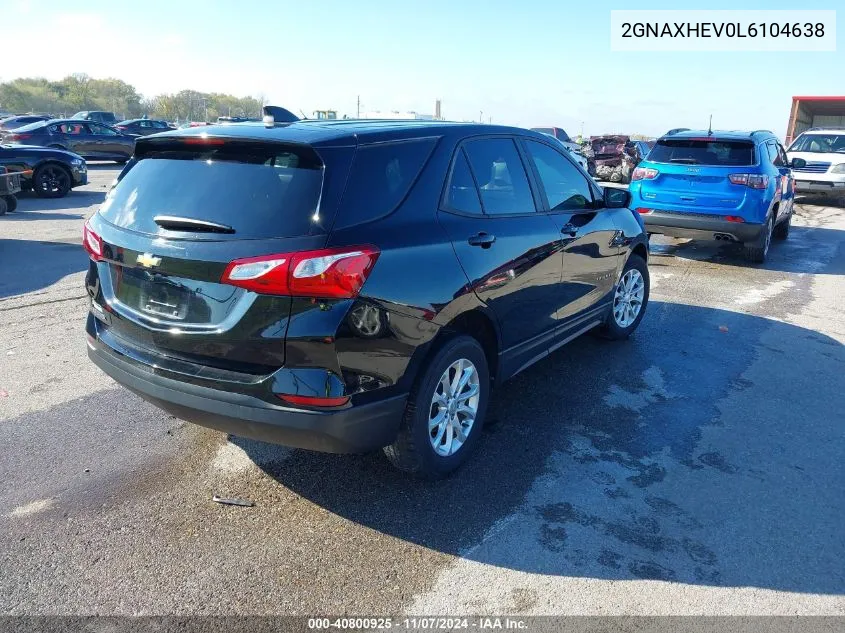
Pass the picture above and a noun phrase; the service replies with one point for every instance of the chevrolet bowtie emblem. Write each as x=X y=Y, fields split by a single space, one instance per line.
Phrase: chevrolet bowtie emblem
x=148 y=260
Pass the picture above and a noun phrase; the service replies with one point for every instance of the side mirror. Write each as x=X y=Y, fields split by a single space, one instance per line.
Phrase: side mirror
x=798 y=163
x=616 y=198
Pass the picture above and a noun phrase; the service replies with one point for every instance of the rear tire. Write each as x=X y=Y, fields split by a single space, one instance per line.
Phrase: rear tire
x=414 y=449
x=11 y=203
x=620 y=324
x=781 y=231
x=3 y=206
x=756 y=252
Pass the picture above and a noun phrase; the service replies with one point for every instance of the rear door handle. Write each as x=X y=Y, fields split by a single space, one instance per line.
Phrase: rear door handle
x=484 y=240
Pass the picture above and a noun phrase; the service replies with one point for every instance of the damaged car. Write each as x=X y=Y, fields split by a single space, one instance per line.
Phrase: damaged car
x=615 y=156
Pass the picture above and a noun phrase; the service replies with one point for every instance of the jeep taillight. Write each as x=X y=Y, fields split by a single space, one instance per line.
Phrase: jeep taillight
x=644 y=173
x=754 y=181
x=330 y=273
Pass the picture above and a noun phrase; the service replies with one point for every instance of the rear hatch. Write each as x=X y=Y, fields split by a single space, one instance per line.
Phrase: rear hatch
x=693 y=173
x=183 y=209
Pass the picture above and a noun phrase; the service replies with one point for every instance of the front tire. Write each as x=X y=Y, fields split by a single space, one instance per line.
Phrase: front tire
x=11 y=203
x=630 y=299
x=445 y=412
x=51 y=181
x=3 y=207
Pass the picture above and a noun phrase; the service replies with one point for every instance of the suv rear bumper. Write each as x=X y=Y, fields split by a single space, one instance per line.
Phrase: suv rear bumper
x=705 y=227
x=354 y=429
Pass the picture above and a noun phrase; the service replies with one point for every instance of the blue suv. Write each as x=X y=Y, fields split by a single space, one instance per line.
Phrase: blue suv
x=733 y=186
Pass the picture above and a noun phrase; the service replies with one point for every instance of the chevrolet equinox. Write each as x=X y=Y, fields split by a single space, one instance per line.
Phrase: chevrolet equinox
x=345 y=286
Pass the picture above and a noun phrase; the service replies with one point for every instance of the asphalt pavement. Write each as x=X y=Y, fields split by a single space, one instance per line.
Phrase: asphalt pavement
x=695 y=469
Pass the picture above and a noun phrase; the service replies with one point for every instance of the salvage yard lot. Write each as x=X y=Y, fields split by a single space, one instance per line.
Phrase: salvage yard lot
x=696 y=468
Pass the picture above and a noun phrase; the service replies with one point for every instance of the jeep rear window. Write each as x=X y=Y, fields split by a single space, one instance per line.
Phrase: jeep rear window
x=702 y=152
x=381 y=176
x=261 y=190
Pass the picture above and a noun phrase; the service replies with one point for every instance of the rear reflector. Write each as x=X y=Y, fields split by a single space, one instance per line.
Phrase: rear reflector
x=92 y=243
x=331 y=273
x=644 y=173
x=644 y=211
x=734 y=218
x=313 y=401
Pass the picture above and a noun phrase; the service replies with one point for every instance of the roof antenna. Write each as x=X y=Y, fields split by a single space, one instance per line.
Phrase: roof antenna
x=710 y=127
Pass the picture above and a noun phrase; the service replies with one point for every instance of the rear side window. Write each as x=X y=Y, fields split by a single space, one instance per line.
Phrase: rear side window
x=500 y=174
x=381 y=176
x=462 y=196
x=260 y=190
x=702 y=152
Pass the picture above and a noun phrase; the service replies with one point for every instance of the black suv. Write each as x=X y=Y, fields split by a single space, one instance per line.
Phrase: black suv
x=350 y=285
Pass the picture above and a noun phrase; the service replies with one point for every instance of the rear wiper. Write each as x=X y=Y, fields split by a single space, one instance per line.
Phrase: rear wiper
x=686 y=161
x=175 y=223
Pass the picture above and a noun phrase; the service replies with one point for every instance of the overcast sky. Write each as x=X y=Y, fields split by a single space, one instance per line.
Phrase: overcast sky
x=528 y=63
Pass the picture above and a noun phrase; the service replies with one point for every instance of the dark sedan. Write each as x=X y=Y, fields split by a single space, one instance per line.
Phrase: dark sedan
x=144 y=127
x=92 y=141
x=14 y=122
x=51 y=173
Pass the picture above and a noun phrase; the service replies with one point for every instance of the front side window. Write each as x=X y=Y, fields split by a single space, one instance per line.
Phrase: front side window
x=500 y=174
x=565 y=188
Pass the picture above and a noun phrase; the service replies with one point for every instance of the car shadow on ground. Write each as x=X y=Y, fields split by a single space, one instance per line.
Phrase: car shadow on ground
x=806 y=250
x=22 y=263
x=629 y=461
x=31 y=207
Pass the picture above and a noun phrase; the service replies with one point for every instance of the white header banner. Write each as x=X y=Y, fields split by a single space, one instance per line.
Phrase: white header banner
x=719 y=31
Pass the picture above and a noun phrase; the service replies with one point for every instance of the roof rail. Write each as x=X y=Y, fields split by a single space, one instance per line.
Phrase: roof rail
x=676 y=130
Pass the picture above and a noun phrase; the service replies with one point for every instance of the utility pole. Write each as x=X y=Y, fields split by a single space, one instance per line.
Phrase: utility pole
x=358 y=116
x=481 y=116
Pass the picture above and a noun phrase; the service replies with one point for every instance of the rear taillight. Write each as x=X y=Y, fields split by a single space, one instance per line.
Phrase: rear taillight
x=16 y=138
x=92 y=243
x=644 y=211
x=331 y=273
x=644 y=173
x=313 y=401
x=754 y=181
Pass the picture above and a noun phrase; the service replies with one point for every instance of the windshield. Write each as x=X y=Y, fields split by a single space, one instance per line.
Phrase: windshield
x=702 y=152
x=820 y=143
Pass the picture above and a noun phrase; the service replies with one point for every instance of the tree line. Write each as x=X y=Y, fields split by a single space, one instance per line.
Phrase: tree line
x=81 y=92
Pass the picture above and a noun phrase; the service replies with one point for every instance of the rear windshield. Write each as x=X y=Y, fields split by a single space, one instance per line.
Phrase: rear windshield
x=259 y=190
x=702 y=152
x=822 y=143
x=31 y=126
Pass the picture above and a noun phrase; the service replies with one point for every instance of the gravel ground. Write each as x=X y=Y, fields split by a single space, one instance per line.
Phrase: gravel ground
x=694 y=469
